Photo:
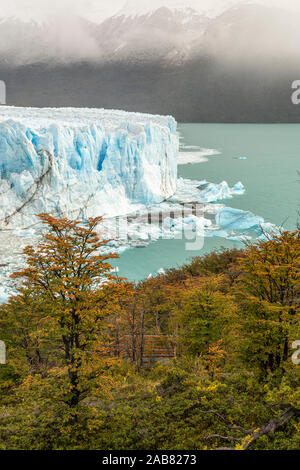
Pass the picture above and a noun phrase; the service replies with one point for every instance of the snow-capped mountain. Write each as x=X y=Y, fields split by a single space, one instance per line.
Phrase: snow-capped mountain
x=163 y=34
x=144 y=32
x=143 y=7
x=137 y=36
x=209 y=8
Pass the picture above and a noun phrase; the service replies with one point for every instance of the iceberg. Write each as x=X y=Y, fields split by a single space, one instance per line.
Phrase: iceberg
x=205 y=192
x=161 y=272
x=237 y=219
x=216 y=192
x=189 y=158
x=238 y=189
x=83 y=163
x=217 y=233
x=185 y=224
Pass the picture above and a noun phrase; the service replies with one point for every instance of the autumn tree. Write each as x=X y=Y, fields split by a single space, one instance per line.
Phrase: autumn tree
x=70 y=277
x=269 y=297
x=130 y=322
x=21 y=324
x=203 y=315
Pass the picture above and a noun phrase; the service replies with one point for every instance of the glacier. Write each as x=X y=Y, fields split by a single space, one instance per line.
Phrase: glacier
x=83 y=163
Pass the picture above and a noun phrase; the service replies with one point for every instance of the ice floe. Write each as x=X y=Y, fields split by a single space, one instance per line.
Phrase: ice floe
x=237 y=219
x=195 y=157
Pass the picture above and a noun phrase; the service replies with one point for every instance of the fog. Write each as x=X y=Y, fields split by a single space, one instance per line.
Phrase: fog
x=233 y=65
x=65 y=31
x=42 y=10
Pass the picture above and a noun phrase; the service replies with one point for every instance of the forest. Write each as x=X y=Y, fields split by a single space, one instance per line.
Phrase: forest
x=203 y=357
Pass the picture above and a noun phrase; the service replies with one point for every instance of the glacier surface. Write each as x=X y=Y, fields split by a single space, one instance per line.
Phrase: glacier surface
x=83 y=162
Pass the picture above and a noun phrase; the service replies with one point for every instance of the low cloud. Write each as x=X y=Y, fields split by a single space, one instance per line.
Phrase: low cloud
x=54 y=30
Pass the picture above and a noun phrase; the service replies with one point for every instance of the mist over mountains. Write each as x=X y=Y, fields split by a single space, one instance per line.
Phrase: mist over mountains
x=236 y=66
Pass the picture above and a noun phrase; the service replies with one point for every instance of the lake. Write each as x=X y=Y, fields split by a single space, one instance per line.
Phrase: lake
x=264 y=157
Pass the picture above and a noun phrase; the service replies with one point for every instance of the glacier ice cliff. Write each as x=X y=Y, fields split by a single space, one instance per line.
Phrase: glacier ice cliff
x=83 y=162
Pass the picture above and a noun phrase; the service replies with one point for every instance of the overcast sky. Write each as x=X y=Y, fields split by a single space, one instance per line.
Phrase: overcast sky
x=99 y=9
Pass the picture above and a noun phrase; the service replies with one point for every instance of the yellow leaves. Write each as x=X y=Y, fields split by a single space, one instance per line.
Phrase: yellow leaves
x=215 y=351
x=286 y=392
x=151 y=389
x=211 y=388
x=297 y=427
x=246 y=441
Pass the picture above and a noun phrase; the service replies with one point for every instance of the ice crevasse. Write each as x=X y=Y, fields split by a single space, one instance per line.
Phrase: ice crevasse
x=83 y=162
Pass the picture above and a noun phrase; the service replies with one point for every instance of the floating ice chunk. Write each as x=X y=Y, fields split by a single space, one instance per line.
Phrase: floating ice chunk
x=216 y=233
x=217 y=192
x=239 y=238
x=187 y=190
x=238 y=189
x=191 y=223
x=161 y=272
x=196 y=157
x=188 y=158
x=204 y=192
x=237 y=219
x=122 y=249
x=115 y=270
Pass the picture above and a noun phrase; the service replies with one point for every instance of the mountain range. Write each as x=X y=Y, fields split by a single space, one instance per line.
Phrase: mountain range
x=233 y=66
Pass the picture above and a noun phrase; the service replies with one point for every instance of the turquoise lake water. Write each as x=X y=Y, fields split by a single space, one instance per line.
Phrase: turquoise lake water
x=269 y=173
